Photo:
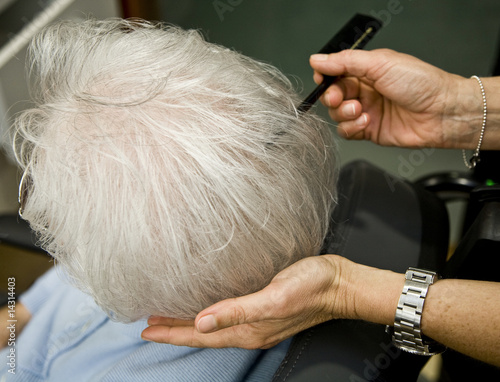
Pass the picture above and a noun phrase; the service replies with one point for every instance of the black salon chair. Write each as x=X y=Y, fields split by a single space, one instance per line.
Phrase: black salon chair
x=16 y=232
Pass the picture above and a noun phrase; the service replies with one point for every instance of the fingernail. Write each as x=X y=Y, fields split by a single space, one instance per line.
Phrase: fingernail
x=349 y=110
x=145 y=337
x=326 y=99
x=207 y=324
x=319 y=57
x=361 y=121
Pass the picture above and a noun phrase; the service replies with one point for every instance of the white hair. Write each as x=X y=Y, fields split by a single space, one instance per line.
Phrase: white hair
x=168 y=173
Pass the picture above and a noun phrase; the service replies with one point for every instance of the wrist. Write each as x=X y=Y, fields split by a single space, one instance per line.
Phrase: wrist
x=463 y=115
x=368 y=293
x=407 y=330
x=491 y=140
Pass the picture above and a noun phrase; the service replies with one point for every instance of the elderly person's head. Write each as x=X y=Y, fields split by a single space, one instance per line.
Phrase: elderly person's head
x=167 y=173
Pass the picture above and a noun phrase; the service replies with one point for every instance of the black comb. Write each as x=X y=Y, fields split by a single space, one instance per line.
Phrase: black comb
x=354 y=35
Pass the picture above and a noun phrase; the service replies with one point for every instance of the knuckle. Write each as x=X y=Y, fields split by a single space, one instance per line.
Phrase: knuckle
x=279 y=299
x=386 y=51
x=238 y=315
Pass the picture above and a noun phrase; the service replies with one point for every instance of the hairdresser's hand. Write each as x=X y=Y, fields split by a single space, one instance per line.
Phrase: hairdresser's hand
x=395 y=99
x=299 y=297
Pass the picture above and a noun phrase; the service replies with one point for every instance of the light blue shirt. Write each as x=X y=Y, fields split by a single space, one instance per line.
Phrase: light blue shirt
x=69 y=338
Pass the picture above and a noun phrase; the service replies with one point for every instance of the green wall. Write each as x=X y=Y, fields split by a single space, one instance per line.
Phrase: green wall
x=457 y=35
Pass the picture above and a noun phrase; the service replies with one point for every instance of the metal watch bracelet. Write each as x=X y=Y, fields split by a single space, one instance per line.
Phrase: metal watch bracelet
x=407 y=333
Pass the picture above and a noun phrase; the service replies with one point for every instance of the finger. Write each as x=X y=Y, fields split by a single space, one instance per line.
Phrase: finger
x=342 y=89
x=180 y=336
x=347 y=111
x=358 y=63
x=158 y=320
x=243 y=337
x=236 y=311
x=354 y=130
x=317 y=77
x=186 y=336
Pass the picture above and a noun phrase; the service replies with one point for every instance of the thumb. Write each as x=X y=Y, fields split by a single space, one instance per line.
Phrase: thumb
x=235 y=311
x=358 y=63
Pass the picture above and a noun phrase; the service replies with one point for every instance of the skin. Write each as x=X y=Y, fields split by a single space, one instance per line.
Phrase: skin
x=21 y=317
x=391 y=99
x=309 y=292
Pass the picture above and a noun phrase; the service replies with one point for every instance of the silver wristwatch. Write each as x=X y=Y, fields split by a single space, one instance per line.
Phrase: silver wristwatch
x=406 y=333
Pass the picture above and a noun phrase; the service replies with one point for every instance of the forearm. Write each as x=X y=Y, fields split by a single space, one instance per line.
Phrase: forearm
x=465 y=316
x=461 y=314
